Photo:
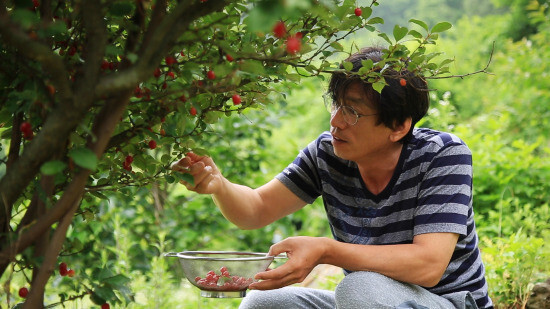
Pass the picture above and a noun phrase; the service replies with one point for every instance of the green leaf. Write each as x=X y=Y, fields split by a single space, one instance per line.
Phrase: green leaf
x=185 y=177
x=117 y=280
x=379 y=85
x=52 y=167
x=442 y=26
x=337 y=46
x=375 y=20
x=420 y=23
x=385 y=37
x=399 y=32
x=416 y=34
x=348 y=66
x=120 y=8
x=84 y=157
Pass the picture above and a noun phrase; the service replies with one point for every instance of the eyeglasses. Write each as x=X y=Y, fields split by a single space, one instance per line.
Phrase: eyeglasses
x=349 y=114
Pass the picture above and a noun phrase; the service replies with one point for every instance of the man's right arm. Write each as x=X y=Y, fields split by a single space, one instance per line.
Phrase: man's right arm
x=245 y=207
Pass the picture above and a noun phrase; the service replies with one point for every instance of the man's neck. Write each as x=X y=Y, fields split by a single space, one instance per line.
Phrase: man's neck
x=378 y=171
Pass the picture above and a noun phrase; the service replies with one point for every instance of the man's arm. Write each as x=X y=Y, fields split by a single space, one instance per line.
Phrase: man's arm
x=423 y=262
x=245 y=207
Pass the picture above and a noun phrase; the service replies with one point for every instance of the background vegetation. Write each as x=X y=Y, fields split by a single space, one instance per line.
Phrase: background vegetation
x=117 y=239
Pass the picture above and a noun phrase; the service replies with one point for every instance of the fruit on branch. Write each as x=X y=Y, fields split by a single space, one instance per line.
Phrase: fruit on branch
x=63 y=270
x=403 y=82
x=152 y=144
x=170 y=60
x=293 y=45
x=229 y=58
x=23 y=292
x=105 y=306
x=279 y=30
x=70 y=273
x=236 y=99
x=211 y=75
x=358 y=12
x=193 y=111
x=157 y=72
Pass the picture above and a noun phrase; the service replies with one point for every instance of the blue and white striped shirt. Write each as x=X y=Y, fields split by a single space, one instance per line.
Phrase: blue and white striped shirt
x=430 y=192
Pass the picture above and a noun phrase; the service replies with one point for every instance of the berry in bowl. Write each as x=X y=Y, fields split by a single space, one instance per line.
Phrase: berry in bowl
x=222 y=274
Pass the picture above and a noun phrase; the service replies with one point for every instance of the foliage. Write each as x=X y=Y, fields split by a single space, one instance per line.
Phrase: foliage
x=98 y=98
x=515 y=263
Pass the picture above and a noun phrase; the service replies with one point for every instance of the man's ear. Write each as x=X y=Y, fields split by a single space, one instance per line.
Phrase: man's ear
x=400 y=130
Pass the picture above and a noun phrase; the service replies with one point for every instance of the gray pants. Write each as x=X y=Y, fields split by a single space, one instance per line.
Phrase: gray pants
x=359 y=290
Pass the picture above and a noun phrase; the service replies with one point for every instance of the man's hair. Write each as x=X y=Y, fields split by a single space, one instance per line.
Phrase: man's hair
x=396 y=103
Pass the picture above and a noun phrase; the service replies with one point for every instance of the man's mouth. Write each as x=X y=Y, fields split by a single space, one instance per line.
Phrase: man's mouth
x=337 y=139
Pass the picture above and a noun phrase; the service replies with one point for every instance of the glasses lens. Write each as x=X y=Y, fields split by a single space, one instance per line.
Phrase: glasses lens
x=349 y=114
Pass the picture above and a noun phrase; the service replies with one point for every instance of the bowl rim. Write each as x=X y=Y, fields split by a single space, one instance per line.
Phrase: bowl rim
x=247 y=256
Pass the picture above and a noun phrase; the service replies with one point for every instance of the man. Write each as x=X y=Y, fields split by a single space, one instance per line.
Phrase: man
x=398 y=200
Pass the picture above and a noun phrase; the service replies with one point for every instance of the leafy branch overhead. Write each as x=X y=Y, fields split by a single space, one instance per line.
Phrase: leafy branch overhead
x=100 y=95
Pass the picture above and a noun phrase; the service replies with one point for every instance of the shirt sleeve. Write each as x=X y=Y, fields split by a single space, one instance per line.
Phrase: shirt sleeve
x=445 y=196
x=302 y=176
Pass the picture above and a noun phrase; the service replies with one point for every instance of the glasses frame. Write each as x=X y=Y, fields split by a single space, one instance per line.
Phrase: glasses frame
x=333 y=108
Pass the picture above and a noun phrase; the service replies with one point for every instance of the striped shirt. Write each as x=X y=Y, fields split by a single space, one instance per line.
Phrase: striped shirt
x=430 y=192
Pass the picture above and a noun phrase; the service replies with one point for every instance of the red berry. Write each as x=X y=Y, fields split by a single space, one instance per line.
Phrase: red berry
x=157 y=72
x=403 y=82
x=358 y=12
x=193 y=111
x=183 y=98
x=162 y=132
x=63 y=269
x=236 y=99
x=51 y=89
x=170 y=60
x=171 y=74
x=279 y=30
x=293 y=45
x=152 y=144
x=299 y=35
x=25 y=127
x=104 y=65
x=137 y=92
x=72 y=51
x=35 y=3
x=105 y=306
x=129 y=159
x=127 y=166
x=23 y=292
x=164 y=85
x=70 y=273
x=211 y=75
x=28 y=135
x=229 y=58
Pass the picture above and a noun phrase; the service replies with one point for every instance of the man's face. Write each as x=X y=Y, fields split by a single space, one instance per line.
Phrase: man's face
x=366 y=140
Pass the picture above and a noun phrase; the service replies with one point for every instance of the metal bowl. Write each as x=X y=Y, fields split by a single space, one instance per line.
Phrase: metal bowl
x=222 y=274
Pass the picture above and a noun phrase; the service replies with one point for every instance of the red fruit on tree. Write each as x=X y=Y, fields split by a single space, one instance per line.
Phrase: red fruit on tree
x=129 y=159
x=51 y=89
x=293 y=45
x=152 y=144
x=193 y=111
x=70 y=273
x=35 y=3
x=105 y=306
x=358 y=12
x=164 y=85
x=63 y=269
x=211 y=75
x=127 y=166
x=403 y=82
x=23 y=292
x=25 y=127
x=162 y=132
x=171 y=74
x=279 y=30
x=229 y=58
x=157 y=72
x=236 y=99
x=104 y=65
x=170 y=60
x=183 y=98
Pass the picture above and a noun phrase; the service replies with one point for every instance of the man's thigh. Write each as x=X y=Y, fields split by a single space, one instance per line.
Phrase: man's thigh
x=289 y=298
x=372 y=290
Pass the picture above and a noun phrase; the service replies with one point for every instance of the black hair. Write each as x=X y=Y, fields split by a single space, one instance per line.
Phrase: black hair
x=395 y=103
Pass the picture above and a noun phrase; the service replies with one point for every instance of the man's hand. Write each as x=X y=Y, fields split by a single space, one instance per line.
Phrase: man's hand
x=207 y=178
x=304 y=253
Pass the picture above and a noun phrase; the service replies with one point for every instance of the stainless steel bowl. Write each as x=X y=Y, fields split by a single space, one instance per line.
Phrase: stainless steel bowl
x=222 y=274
